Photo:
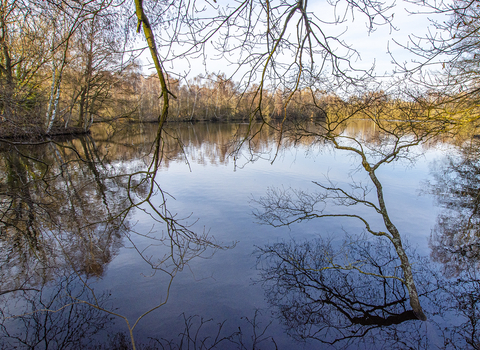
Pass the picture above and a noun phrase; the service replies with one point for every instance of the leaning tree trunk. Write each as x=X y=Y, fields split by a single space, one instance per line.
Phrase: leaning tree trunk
x=394 y=236
x=397 y=243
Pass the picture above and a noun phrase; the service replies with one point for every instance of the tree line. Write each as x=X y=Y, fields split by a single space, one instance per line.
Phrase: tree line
x=65 y=64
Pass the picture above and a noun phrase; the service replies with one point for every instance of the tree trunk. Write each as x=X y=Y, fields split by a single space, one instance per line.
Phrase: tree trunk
x=6 y=105
x=54 y=99
x=397 y=243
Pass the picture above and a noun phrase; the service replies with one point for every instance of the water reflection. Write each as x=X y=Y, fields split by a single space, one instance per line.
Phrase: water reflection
x=59 y=321
x=72 y=209
x=66 y=210
x=370 y=152
x=319 y=295
x=364 y=295
x=57 y=211
x=455 y=240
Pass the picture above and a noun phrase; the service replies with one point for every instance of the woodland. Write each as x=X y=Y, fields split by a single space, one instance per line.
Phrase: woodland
x=67 y=64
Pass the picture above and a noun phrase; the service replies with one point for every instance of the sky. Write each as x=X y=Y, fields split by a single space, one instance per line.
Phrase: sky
x=372 y=46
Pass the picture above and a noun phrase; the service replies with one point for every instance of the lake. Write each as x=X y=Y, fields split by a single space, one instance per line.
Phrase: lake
x=262 y=248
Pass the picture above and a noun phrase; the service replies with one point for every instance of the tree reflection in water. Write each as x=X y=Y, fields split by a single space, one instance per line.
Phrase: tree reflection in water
x=338 y=296
x=455 y=240
x=319 y=295
x=49 y=317
x=65 y=209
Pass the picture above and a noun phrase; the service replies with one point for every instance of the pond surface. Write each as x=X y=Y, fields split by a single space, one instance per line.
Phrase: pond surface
x=95 y=240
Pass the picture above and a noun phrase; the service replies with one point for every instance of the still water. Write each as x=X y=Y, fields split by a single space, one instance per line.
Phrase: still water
x=98 y=246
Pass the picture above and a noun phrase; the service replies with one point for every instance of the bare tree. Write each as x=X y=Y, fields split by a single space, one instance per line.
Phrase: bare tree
x=393 y=140
x=444 y=73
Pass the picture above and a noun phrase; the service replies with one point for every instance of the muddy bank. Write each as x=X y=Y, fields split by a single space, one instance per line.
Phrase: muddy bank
x=36 y=132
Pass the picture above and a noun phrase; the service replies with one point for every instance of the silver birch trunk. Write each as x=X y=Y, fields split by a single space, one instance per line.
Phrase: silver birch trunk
x=55 y=91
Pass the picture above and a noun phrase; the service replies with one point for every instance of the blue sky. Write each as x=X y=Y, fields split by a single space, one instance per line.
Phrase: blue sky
x=371 y=46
